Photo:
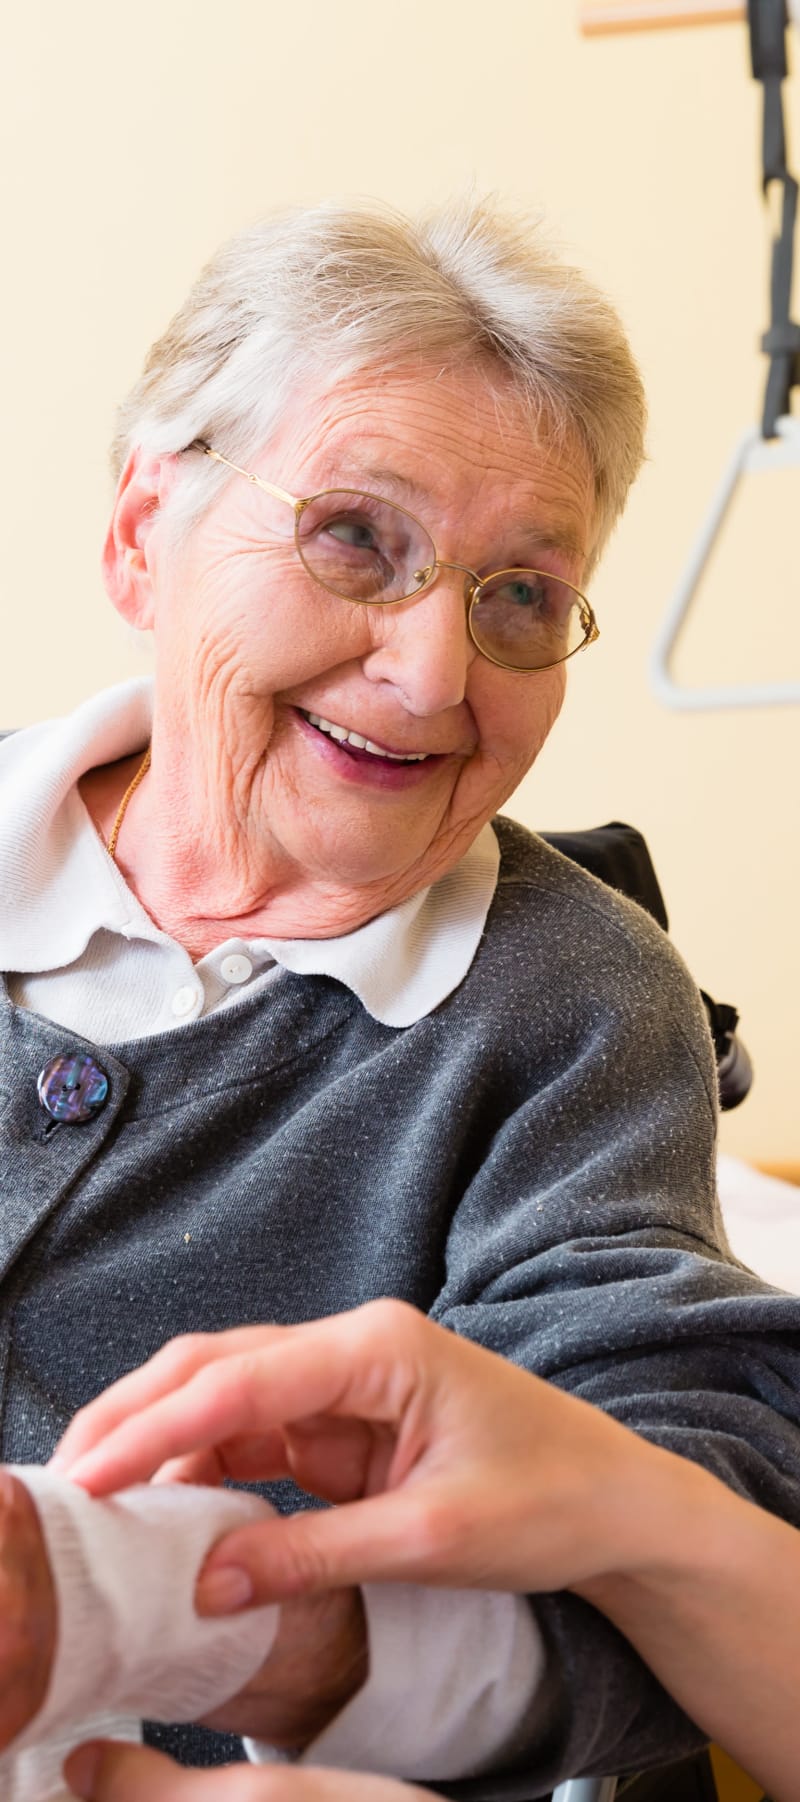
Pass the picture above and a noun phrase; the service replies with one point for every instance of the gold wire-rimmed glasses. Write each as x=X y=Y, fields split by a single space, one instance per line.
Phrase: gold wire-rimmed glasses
x=374 y=553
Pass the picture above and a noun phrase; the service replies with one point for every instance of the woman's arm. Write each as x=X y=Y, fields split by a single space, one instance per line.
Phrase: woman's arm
x=715 y=1611
x=452 y=1466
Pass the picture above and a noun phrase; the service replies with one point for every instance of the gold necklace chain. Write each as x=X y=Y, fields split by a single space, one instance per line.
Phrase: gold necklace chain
x=123 y=806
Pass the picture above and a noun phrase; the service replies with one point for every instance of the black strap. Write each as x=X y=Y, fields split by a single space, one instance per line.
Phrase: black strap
x=768 y=21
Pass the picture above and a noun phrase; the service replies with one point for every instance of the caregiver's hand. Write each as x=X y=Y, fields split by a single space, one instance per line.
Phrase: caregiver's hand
x=104 y=1772
x=27 y=1610
x=474 y=1471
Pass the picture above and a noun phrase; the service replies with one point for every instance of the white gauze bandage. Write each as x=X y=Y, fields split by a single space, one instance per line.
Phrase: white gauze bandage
x=129 y=1643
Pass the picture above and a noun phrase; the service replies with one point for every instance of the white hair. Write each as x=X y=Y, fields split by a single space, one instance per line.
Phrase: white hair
x=321 y=292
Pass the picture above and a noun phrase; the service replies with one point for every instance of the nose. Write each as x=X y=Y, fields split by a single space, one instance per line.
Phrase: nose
x=422 y=646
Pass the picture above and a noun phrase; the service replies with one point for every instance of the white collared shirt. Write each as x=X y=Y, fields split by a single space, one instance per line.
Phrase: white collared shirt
x=68 y=919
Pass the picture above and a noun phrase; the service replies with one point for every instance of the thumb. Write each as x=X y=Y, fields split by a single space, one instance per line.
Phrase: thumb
x=384 y=1539
x=105 y=1771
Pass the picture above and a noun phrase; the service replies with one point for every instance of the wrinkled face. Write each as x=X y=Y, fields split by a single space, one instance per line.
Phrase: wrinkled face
x=270 y=671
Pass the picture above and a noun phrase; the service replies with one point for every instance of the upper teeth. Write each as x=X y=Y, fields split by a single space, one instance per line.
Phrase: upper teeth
x=343 y=737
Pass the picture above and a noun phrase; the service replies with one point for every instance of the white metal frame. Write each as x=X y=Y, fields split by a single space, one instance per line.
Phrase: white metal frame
x=586 y=1789
x=752 y=454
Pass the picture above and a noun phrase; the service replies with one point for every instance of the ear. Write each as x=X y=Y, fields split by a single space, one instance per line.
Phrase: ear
x=142 y=490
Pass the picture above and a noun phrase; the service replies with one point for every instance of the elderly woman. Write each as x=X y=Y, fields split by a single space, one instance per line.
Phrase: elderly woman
x=290 y=1024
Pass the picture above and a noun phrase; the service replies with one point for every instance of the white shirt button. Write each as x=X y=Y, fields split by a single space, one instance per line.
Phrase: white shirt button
x=235 y=967
x=185 y=1001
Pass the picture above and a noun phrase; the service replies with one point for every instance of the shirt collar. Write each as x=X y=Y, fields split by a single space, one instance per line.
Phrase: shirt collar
x=58 y=886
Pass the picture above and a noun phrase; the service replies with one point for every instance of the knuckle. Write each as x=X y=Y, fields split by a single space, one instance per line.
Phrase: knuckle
x=75 y=1431
x=240 y=1378
x=398 y=1320
x=183 y=1353
x=241 y=1783
x=432 y=1527
x=267 y=1784
x=293 y=1561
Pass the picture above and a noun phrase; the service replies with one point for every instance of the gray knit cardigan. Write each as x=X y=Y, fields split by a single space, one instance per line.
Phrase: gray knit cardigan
x=532 y=1163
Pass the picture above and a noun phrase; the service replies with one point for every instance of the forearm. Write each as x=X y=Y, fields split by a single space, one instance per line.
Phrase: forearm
x=710 y=1598
x=456 y=1686
x=321 y=1661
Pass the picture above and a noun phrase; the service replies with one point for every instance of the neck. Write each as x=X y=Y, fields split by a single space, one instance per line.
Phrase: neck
x=195 y=871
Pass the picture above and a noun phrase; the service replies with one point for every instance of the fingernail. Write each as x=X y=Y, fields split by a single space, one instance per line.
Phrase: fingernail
x=81 y=1770
x=224 y=1591
x=57 y=1462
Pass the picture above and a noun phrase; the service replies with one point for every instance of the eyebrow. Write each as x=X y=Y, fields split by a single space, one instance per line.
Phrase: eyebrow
x=386 y=479
x=555 y=536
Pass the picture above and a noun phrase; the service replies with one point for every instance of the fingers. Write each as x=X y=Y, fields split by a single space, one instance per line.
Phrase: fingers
x=339 y=1460
x=351 y=1364
x=171 y=1367
x=395 y=1537
x=222 y=1402
x=104 y=1772
x=255 y=1458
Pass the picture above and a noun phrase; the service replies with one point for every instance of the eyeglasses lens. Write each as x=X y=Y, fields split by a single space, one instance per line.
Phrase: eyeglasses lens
x=528 y=620
x=362 y=548
x=365 y=549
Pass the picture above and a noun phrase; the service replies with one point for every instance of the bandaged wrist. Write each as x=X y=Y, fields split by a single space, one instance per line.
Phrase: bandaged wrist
x=129 y=1643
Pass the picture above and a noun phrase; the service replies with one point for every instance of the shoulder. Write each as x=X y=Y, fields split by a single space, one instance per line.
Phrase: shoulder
x=538 y=885
x=33 y=770
x=575 y=950
x=22 y=746
x=101 y=729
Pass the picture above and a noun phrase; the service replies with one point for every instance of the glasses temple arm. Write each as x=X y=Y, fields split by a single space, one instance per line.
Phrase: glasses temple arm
x=278 y=494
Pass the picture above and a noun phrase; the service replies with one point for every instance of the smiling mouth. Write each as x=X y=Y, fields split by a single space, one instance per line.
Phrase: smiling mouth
x=351 y=741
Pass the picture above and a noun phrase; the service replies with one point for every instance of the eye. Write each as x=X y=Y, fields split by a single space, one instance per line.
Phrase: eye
x=527 y=592
x=353 y=532
x=527 y=600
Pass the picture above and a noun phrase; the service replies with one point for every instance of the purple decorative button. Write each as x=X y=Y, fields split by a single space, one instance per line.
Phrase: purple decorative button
x=72 y=1088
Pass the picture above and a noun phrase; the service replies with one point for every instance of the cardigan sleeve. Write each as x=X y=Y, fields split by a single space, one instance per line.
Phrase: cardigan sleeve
x=588 y=1248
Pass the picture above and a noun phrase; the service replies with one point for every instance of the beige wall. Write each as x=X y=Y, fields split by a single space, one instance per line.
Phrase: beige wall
x=138 y=137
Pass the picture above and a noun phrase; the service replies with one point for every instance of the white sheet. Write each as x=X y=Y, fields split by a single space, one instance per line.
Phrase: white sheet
x=762 y=1220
